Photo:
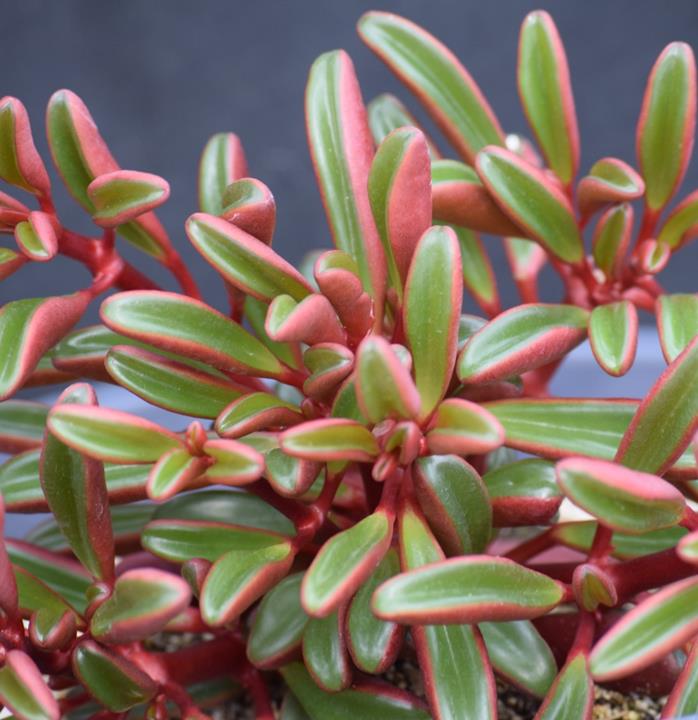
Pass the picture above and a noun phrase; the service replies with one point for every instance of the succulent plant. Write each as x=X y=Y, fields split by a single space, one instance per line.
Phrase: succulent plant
x=388 y=470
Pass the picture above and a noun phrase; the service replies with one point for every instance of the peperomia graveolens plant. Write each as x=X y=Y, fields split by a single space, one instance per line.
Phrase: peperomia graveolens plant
x=369 y=475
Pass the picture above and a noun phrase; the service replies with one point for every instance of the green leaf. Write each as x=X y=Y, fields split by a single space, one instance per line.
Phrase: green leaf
x=521 y=339
x=324 y=652
x=142 y=602
x=360 y=702
x=222 y=162
x=386 y=113
x=680 y=225
x=572 y=694
x=546 y=94
x=462 y=427
x=23 y=690
x=373 y=643
x=239 y=577
x=611 y=239
x=279 y=623
x=677 y=321
x=610 y=180
x=435 y=76
x=613 y=336
x=518 y=652
x=657 y=625
x=22 y=424
x=342 y=150
x=622 y=499
x=435 y=282
x=344 y=562
x=76 y=492
x=327 y=440
x=36 y=237
x=191 y=329
x=244 y=261
x=478 y=275
x=683 y=700
x=111 y=435
x=181 y=540
x=256 y=315
x=468 y=589
x=256 y=411
x=455 y=502
x=667 y=123
x=123 y=195
x=235 y=462
x=289 y=475
x=532 y=201
x=666 y=420
x=114 y=681
x=175 y=471
x=249 y=205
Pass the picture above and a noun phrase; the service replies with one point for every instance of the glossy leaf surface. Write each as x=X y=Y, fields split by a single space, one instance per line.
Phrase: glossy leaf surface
x=677 y=321
x=572 y=695
x=325 y=440
x=222 y=162
x=123 y=195
x=325 y=653
x=23 y=690
x=613 y=332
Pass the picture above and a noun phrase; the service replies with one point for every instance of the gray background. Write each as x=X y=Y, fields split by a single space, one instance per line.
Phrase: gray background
x=161 y=76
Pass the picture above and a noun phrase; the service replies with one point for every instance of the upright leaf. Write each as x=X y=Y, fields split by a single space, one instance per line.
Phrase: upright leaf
x=434 y=282
x=36 y=236
x=666 y=125
x=613 y=330
x=572 y=695
x=677 y=321
x=222 y=162
x=682 y=223
x=683 y=700
x=325 y=652
x=249 y=205
x=611 y=239
x=76 y=491
x=121 y=196
x=433 y=73
x=23 y=690
x=546 y=93
x=610 y=180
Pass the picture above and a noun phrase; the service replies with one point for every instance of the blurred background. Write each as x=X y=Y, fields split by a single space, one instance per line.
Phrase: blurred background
x=161 y=76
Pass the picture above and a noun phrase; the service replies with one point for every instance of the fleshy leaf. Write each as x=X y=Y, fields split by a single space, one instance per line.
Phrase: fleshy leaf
x=658 y=625
x=683 y=700
x=249 y=205
x=143 y=601
x=192 y=329
x=610 y=180
x=623 y=499
x=121 y=196
x=373 y=643
x=613 y=330
x=23 y=690
x=111 y=679
x=325 y=653
x=399 y=189
x=611 y=239
x=173 y=472
x=111 y=435
x=342 y=149
x=478 y=274
x=344 y=563
x=469 y=589
x=666 y=420
x=235 y=462
x=239 y=577
x=436 y=77
x=278 y=625
x=8 y=586
x=311 y=321
x=532 y=201
x=463 y=428
x=256 y=411
x=677 y=321
x=330 y=439
x=76 y=492
x=329 y=364
x=22 y=424
x=434 y=281
x=289 y=475
x=572 y=695
x=222 y=163
x=681 y=224
x=521 y=339
x=36 y=237
x=666 y=124
x=546 y=94
x=455 y=502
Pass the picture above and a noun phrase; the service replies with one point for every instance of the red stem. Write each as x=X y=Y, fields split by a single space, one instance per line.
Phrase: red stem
x=530 y=548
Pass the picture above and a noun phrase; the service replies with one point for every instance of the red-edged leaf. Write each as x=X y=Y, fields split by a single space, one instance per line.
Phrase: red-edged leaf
x=677 y=322
x=652 y=256
x=23 y=690
x=8 y=586
x=344 y=563
x=681 y=225
x=325 y=652
x=521 y=339
x=463 y=428
x=546 y=94
x=433 y=73
x=611 y=240
x=10 y=261
x=572 y=695
x=249 y=205
x=28 y=328
x=173 y=472
x=613 y=332
x=656 y=626
x=22 y=425
x=434 y=281
x=36 y=237
x=289 y=475
x=384 y=386
x=399 y=189
x=121 y=196
x=244 y=261
x=666 y=125
x=459 y=198
x=467 y=589
x=235 y=463
x=593 y=586
x=143 y=601
x=222 y=163
x=329 y=364
x=478 y=274
x=110 y=435
x=256 y=411
x=532 y=201
x=311 y=321
x=666 y=420
x=76 y=492
x=342 y=149
x=610 y=180
x=623 y=499
x=683 y=700
x=330 y=439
